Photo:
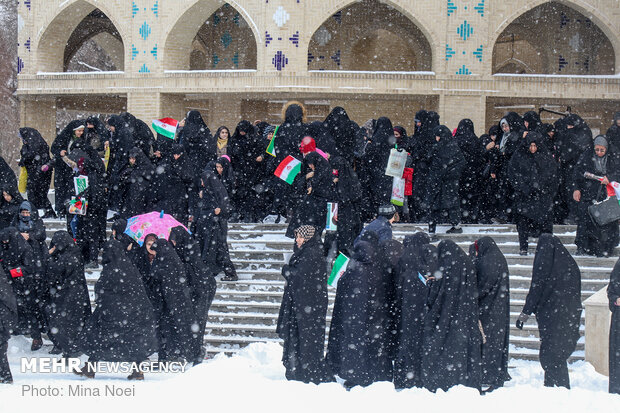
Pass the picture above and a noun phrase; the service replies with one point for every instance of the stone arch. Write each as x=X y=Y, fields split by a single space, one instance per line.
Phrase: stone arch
x=181 y=36
x=411 y=30
x=52 y=43
x=589 y=16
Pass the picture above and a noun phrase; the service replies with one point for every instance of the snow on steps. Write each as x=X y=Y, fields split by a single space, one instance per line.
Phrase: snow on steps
x=246 y=311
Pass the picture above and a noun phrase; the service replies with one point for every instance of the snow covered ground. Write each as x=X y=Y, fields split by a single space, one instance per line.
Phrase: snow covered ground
x=253 y=381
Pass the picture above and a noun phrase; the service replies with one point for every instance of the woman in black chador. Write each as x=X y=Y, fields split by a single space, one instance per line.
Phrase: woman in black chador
x=63 y=173
x=533 y=174
x=613 y=293
x=415 y=274
x=34 y=155
x=470 y=185
x=171 y=297
x=19 y=264
x=452 y=338
x=69 y=304
x=446 y=167
x=122 y=327
x=211 y=216
x=494 y=307
x=8 y=321
x=301 y=323
x=202 y=282
x=603 y=160
x=354 y=352
x=555 y=298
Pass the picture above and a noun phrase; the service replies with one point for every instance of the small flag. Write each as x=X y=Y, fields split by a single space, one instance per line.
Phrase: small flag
x=288 y=169
x=166 y=127
x=340 y=266
x=332 y=217
x=80 y=183
x=271 y=150
x=613 y=189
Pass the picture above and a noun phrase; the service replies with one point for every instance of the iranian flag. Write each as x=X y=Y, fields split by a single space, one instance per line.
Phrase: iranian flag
x=340 y=266
x=166 y=127
x=288 y=169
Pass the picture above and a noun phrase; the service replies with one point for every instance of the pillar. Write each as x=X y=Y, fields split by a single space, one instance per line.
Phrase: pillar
x=40 y=113
x=453 y=108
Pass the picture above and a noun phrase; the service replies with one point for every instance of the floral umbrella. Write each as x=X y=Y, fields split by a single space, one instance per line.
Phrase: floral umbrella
x=157 y=223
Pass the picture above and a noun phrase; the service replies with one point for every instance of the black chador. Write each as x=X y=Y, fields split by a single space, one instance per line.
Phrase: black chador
x=301 y=322
x=452 y=338
x=555 y=298
x=494 y=307
x=122 y=327
x=201 y=282
x=69 y=303
x=414 y=275
x=353 y=352
x=177 y=324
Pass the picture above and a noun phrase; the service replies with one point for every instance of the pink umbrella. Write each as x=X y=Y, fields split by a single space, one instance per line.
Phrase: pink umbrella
x=157 y=223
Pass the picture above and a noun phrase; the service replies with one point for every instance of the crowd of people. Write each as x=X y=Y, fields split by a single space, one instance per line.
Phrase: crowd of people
x=404 y=329
x=423 y=315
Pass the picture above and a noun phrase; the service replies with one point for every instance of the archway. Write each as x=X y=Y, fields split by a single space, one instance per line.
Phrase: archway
x=81 y=32
x=211 y=35
x=369 y=36
x=94 y=45
x=553 y=38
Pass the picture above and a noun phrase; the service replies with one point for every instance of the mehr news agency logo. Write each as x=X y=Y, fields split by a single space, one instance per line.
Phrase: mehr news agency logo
x=52 y=365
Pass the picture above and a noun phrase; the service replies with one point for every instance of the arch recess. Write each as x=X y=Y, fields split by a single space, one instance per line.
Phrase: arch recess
x=181 y=35
x=54 y=39
x=339 y=9
x=589 y=16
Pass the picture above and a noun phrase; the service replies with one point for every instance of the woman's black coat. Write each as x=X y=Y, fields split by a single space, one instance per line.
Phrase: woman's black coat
x=613 y=293
x=534 y=178
x=446 y=166
x=8 y=308
x=494 y=306
x=69 y=303
x=419 y=259
x=451 y=350
x=354 y=352
x=34 y=154
x=177 y=323
x=555 y=298
x=122 y=327
x=201 y=281
x=121 y=143
x=301 y=322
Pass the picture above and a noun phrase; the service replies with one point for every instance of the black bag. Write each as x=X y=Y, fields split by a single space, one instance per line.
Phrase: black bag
x=605 y=212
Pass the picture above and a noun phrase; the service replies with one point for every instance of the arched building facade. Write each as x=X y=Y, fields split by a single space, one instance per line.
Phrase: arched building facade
x=240 y=59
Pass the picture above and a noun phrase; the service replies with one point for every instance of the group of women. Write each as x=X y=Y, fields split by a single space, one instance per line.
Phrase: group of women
x=148 y=299
x=424 y=315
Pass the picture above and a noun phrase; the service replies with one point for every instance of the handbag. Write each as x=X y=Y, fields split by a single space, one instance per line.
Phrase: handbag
x=605 y=212
x=78 y=206
x=398 y=191
x=396 y=163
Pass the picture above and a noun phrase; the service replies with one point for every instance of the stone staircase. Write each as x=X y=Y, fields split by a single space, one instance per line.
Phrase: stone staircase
x=246 y=311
